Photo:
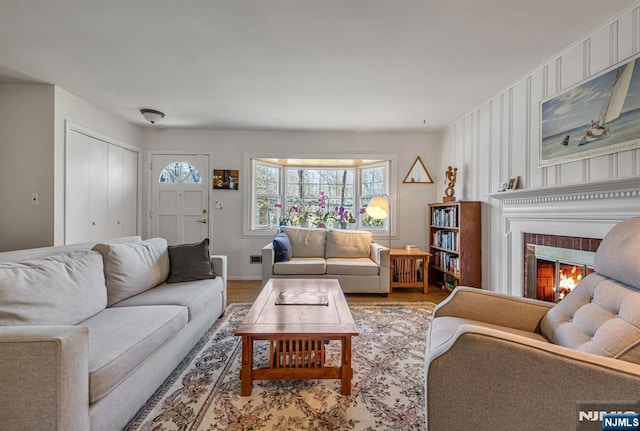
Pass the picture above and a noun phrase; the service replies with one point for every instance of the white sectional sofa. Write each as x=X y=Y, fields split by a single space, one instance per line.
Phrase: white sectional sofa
x=88 y=333
x=351 y=257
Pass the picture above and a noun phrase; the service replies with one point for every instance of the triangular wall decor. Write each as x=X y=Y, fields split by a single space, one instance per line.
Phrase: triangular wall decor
x=418 y=174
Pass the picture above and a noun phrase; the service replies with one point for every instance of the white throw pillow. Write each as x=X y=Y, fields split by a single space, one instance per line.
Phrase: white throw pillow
x=132 y=268
x=63 y=289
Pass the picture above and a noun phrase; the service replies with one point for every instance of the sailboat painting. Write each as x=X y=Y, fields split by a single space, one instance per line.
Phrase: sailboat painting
x=599 y=116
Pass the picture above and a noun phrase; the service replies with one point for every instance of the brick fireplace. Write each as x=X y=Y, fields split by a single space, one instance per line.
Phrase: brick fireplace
x=555 y=264
x=567 y=216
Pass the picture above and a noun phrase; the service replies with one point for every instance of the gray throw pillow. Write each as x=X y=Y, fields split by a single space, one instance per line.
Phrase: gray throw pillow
x=188 y=262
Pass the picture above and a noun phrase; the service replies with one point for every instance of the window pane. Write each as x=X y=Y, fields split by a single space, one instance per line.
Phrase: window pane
x=180 y=172
x=373 y=181
x=266 y=197
x=193 y=175
x=304 y=187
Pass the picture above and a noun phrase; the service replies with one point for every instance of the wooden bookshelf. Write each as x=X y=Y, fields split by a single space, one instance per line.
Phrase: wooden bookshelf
x=455 y=231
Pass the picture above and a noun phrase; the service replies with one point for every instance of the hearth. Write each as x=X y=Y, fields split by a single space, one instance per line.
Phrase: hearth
x=552 y=271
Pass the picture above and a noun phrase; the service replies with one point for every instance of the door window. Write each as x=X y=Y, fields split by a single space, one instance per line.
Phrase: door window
x=180 y=172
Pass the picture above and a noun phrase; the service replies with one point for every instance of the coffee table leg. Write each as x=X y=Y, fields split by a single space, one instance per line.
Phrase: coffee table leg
x=247 y=366
x=347 y=371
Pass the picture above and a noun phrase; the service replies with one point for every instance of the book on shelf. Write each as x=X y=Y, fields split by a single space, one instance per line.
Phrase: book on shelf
x=445 y=217
x=446 y=239
x=447 y=261
x=302 y=298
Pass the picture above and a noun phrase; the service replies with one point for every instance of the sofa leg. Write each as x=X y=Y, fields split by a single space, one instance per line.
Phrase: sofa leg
x=384 y=295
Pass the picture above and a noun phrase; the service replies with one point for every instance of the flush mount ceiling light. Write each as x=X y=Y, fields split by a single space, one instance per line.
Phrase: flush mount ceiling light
x=151 y=115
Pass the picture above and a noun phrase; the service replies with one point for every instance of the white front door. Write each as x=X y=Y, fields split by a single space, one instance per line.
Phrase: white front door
x=180 y=197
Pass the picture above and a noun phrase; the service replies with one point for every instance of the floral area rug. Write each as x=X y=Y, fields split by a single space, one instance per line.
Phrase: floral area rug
x=387 y=393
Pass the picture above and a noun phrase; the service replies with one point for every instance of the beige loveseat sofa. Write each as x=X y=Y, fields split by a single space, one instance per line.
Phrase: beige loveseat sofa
x=497 y=362
x=87 y=336
x=351 y=257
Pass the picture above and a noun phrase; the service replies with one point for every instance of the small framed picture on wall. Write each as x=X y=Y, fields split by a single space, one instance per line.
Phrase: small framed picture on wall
x=225 y=179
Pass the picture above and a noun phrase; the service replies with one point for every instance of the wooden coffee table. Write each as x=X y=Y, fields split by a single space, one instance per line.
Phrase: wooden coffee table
x=297 y=334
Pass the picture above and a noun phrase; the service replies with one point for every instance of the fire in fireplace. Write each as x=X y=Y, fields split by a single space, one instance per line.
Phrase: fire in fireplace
x=551 y=272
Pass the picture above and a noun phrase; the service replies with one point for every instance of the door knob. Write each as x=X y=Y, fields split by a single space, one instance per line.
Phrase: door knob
x=202 y=221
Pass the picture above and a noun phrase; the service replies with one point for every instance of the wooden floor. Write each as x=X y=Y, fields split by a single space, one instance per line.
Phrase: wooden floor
x=247 y=291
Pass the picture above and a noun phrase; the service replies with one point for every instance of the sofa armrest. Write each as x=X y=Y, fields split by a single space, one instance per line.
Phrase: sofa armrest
x=44 y=372
x=219 y=264
x=490 y=307
x=498 y=380
x=380 y=255
x=268 y=259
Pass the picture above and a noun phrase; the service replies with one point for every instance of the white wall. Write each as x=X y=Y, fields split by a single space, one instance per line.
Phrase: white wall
x=69 y=107
x=26 y=152
x=501 y=138
x=32 y=139
x=228 y=149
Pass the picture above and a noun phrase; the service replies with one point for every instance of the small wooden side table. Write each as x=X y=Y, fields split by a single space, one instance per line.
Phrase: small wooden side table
x=409 y=268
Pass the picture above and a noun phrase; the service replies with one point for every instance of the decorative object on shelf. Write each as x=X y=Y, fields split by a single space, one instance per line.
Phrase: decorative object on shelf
x=450 y=181
x=380 y=208
x=601 y=121
x=151 y=115
x=418 y=174
x=513 y=183
x=503 y=186
x=225 y=179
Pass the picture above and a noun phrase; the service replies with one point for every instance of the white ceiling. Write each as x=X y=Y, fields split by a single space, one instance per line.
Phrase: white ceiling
x=289 y=64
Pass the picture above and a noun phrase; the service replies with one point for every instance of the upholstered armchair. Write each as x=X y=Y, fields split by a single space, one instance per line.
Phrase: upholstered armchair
x=497 y=362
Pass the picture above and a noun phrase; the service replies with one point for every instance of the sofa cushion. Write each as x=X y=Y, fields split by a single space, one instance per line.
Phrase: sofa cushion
x=344 y=243
x=188 y=262
x=300 y=266
x=133 y=268
x=352 y=266
x=122 y=338
x=600 y=316
x=195 y=295
x=618 y=254
x=306 y=242
x=62 y=289
x=281 y=247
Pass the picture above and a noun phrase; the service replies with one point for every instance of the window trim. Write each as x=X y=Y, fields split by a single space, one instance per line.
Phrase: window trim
x=248 y=201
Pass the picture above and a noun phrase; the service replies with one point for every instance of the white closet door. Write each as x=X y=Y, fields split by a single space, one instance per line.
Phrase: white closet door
x=115 y=190
x=101 y=189
x=98 y=189
x=130 y=193
x=77 y=188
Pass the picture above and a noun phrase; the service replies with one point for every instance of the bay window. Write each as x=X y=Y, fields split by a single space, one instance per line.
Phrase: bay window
x=305 y=192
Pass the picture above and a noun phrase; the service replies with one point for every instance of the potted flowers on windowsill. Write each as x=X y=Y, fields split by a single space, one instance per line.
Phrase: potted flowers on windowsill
x=303 y=219
x=290 y=217
x=342 y=218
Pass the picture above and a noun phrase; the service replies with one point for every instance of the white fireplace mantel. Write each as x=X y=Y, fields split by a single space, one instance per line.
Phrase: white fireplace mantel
x=583 y=210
